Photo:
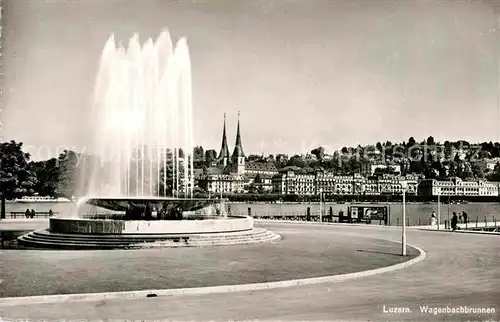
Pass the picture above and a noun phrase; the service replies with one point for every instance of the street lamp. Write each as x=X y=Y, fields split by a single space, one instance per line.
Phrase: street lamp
x=404 y=186
x=439 y=209
x=321 y=205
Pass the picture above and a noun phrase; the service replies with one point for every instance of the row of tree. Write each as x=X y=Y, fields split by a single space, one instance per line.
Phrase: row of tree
x=19 y=176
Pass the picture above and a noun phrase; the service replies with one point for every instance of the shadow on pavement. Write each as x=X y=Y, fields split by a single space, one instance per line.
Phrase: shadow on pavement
x=376 y=252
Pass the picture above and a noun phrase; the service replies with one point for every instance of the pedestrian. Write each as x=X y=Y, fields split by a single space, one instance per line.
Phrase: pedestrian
x=433 y=219
x=33 y=213
x=460 y=218
x=51 y=213
x=27 y=213
x=466 y=217
x=454 y=221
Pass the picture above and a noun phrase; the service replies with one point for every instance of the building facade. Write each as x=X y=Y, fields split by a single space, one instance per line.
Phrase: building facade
x=457 y=187
x=260 y=173
x=223 y=183
x=294 y=183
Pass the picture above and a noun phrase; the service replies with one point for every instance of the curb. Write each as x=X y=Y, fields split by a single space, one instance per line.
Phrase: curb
x=477 y=232
x=324 y=223
x=67 y=298
x=23 y=220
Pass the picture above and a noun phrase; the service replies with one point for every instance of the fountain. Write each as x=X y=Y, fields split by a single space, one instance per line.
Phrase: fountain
x=144 y=115
x=141 y=171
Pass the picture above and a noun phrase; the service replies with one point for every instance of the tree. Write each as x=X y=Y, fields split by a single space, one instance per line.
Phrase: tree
x=296 y=161
x=166 y=185
x=199 y=153
x=280 y=161
x=319 y=152
x=452 y=169
x=495 y=175
x=47 y=174
x=181 y=153
x=257 y=179
x=67 y=164
x=379 y=146
x=252 y=188
x=430 y=141
x=478 y=169
x=16 y=179
x=466 y=171
x=210 y=156
x=411 y=142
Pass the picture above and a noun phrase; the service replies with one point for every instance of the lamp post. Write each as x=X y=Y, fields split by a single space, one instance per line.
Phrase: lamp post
x=321 y=205
x=439 y=209
x=404 y=186
x=449 y=202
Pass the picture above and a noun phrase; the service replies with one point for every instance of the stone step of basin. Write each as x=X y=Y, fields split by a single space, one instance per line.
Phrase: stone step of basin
x=252 y=232
x=136 y=238
x=46 y=239
x=34 y=238
x=56 y=245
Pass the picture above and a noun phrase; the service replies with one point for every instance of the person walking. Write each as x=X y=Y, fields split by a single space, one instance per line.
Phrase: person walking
x=32 y=214
x=454 y=221
x=433 y=219
x=27 y=213
x=465 y=217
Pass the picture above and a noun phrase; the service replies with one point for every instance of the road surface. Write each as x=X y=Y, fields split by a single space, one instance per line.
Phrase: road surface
x=460 y=270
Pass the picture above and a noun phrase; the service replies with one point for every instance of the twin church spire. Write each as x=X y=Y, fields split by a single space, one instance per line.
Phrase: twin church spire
x=238 y=156
x=224 y=150
x=238 y=149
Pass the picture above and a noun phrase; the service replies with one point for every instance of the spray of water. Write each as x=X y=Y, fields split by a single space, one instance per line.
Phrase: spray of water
x=143 y=119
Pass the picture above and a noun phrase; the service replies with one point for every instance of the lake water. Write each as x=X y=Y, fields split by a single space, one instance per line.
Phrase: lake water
x=415 y=213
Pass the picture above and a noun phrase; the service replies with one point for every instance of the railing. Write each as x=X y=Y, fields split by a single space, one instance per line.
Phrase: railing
x=299 y=216
x=476 y=224
x=22 y=214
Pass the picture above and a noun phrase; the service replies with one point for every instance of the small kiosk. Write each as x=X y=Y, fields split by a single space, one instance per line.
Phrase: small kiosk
x=365 y=214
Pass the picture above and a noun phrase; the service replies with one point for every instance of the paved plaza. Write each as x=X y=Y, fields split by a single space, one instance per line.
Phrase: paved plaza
x=301 y=254
x=460 y=270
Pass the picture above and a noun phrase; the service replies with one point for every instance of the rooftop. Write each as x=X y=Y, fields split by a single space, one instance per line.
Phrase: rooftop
x=261 y=166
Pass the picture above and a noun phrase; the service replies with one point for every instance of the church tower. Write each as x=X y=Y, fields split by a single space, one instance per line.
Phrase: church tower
x=238 y=157
x=224 y=150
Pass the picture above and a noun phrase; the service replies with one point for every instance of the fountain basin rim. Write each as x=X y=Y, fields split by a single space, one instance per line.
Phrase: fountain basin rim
x=127 y=227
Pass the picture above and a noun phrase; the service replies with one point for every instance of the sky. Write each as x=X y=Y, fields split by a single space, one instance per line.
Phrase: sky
x=302 y=73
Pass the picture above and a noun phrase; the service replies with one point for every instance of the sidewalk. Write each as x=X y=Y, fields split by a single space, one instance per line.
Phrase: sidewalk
x=470 y=228
x=23 y=224
x=462 y=226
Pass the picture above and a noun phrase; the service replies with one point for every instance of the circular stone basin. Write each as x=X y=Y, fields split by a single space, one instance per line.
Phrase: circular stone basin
x=123 y=227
